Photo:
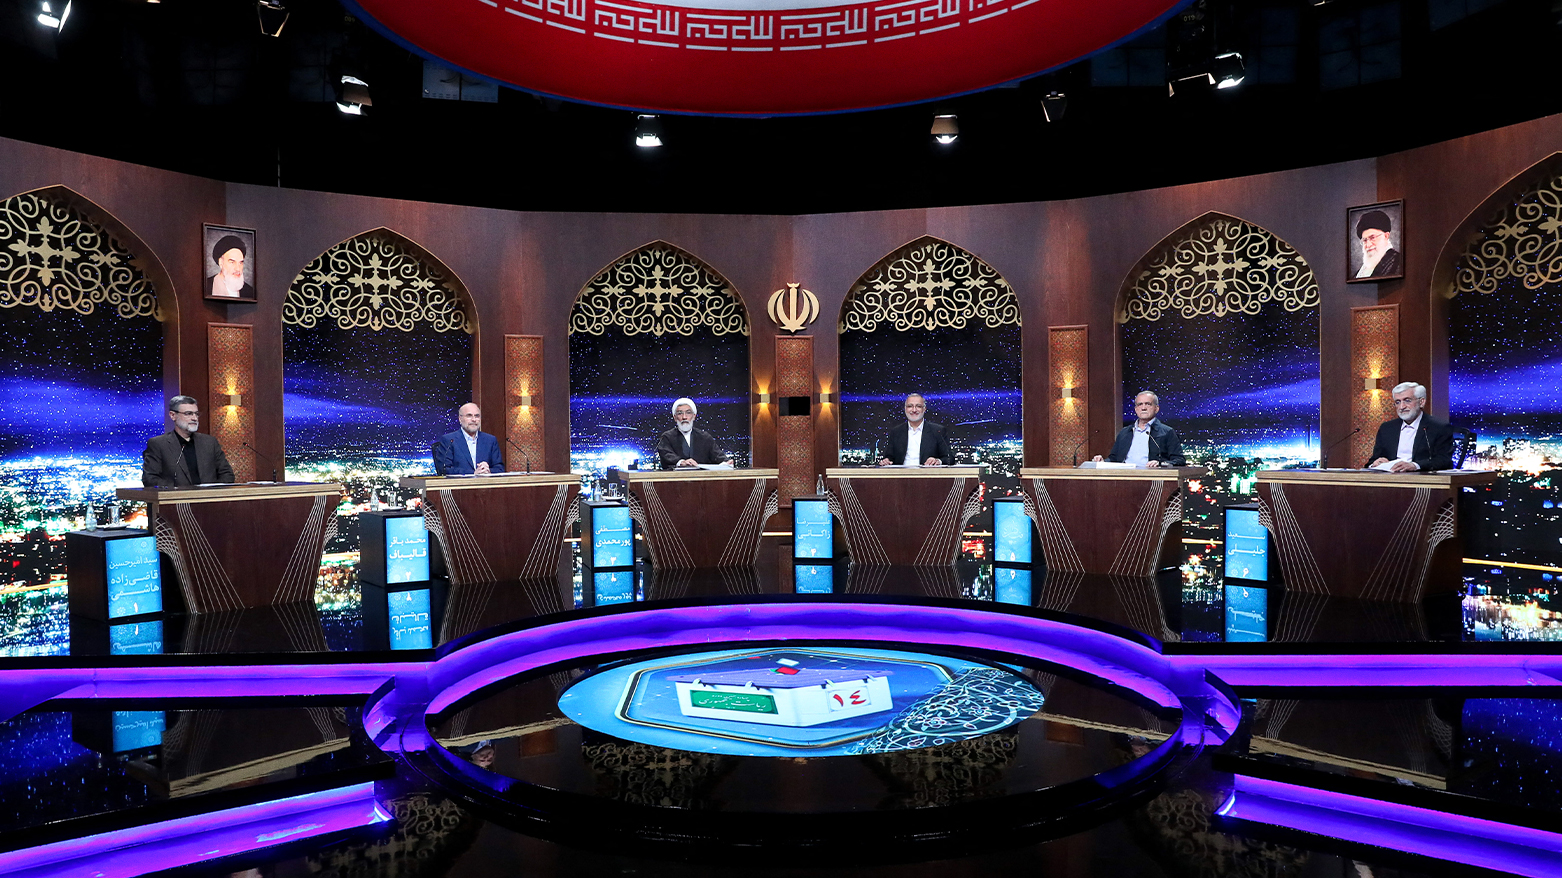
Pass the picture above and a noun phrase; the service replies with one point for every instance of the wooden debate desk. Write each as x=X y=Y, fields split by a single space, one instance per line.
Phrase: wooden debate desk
x=1366 y=534
x=236 y=546
x=498 y=528
x=905 y=515
x=1126 y=522
x=702 y=518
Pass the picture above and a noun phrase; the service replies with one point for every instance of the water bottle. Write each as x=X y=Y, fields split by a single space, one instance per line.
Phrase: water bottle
x=819 y=487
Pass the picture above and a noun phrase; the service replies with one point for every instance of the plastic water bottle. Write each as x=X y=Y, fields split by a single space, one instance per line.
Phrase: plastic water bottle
x=819 y=487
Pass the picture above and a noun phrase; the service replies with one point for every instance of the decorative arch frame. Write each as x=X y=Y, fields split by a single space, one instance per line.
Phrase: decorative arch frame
x=1523 y=238
x=167 y=307
x=996 y=306
x=612 y=305
x=640 y=297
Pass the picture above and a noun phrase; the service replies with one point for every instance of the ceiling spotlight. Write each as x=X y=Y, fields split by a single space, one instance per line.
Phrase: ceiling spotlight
x=353 y=96
x=49 y=18
x=648 y=131
x=946 y=129
x=1053 y=104
x=1229 y=70
x=272 y=15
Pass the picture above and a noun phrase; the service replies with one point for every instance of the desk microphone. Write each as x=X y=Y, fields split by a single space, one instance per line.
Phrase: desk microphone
x=1324 y=460
x=1079 y=446
x=265 y=458
x=522 y=451
x=1151 y=434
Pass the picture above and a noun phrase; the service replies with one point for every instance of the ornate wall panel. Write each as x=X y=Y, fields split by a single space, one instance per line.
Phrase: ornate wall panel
x=1218 y=266
x=230 y=348
x=523 y=378
x=1518 y=247
x=658 y=290
x=795 y=433
x=375 y=281
x=930 y=285
x=52 y=257
x=1374 y=369
x=1068 y=367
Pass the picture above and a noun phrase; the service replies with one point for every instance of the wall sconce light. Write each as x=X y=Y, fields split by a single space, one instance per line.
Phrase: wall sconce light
x=764 y=399
x=1066 y=393
x=1372 y=384
x=523 y=400
x=826 y=397
x=235 y=400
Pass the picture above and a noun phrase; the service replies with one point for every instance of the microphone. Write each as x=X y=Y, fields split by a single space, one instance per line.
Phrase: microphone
x=1323 y=462
x=265 y=458
x=522 y=451
x=1077 y=447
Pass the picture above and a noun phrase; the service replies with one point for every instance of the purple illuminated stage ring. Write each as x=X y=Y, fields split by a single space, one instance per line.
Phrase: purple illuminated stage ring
x=398 y=721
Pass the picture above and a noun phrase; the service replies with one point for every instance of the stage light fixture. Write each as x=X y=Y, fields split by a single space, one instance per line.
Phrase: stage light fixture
x=353 y=96
x=946 y=129
x=1053 y=104
x=648 y=131
x=49 y=18
x=271 y=14
x=1229 y=70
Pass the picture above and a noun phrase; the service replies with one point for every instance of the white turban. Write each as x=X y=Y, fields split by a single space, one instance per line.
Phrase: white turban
x=684 y=400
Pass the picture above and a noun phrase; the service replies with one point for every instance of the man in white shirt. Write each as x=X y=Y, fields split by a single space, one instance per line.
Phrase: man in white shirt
x=917 y=442
x=1414 y=441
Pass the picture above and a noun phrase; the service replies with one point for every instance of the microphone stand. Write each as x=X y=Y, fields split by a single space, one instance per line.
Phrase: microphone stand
x=1079 y=446
x=522 y=451
x=265 y=458
x=1323 y=462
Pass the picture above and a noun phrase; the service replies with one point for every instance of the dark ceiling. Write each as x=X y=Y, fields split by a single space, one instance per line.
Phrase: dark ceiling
x=193 y=86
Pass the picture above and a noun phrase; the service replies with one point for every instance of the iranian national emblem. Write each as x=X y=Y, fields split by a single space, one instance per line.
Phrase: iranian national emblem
x=793 y=309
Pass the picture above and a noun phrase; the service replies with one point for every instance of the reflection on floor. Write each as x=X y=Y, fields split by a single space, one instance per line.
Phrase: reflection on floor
x=77 y=766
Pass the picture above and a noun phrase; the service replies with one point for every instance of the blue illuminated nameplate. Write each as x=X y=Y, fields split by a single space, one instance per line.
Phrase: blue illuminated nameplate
x=134 y=578
x=612 y=537
x=1011 y=532
x=406 y=549
x=1247 y=614
x=813 y=530
x=137 y=729
x=617 y=587
x=814 y=578
x=1011 y=585
x=136 y=638
x=411 y=622
x=1247 y=545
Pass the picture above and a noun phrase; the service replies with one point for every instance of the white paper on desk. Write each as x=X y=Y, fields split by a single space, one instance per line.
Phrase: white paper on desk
x=1386 y=466
x=727 y=465
x=1106 y=464
x=214 y=484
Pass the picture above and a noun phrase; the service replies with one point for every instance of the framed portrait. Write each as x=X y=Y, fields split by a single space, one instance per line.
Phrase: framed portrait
x=228 y=256
x=1375 y=242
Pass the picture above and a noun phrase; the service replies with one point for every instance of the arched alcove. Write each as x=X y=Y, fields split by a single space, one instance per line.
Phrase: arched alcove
x=1503 y=271
x=378 y=346
x=81 y=376
x=655 y=325
x=1221 y=320
x=932 y=318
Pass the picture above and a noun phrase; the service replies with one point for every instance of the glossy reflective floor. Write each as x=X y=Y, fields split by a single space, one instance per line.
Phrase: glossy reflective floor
x=76 y=767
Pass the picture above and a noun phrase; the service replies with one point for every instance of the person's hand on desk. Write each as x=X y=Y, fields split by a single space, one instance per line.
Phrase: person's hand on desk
x=482 y=468
x=1399 y=466
x=884 y=461
x=1153 y=463
x=932 y=461
x=1098 y=458
x=688 y=461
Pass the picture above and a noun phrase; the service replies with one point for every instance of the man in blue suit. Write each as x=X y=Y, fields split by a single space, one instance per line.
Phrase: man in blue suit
x=468 y=451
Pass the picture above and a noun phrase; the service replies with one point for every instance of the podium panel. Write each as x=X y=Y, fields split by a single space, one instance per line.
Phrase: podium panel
x=906 y=516
x=702 y=518
x=497 y=528
x=1125 y=522
x=1368 y=535
x=237 y=546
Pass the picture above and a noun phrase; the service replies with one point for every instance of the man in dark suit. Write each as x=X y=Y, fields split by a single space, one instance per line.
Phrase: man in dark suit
x=1147 y=442
x=468 y=451
x=1415 y=441
x=684 y=445
x=917 y=442
x=184 y=456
